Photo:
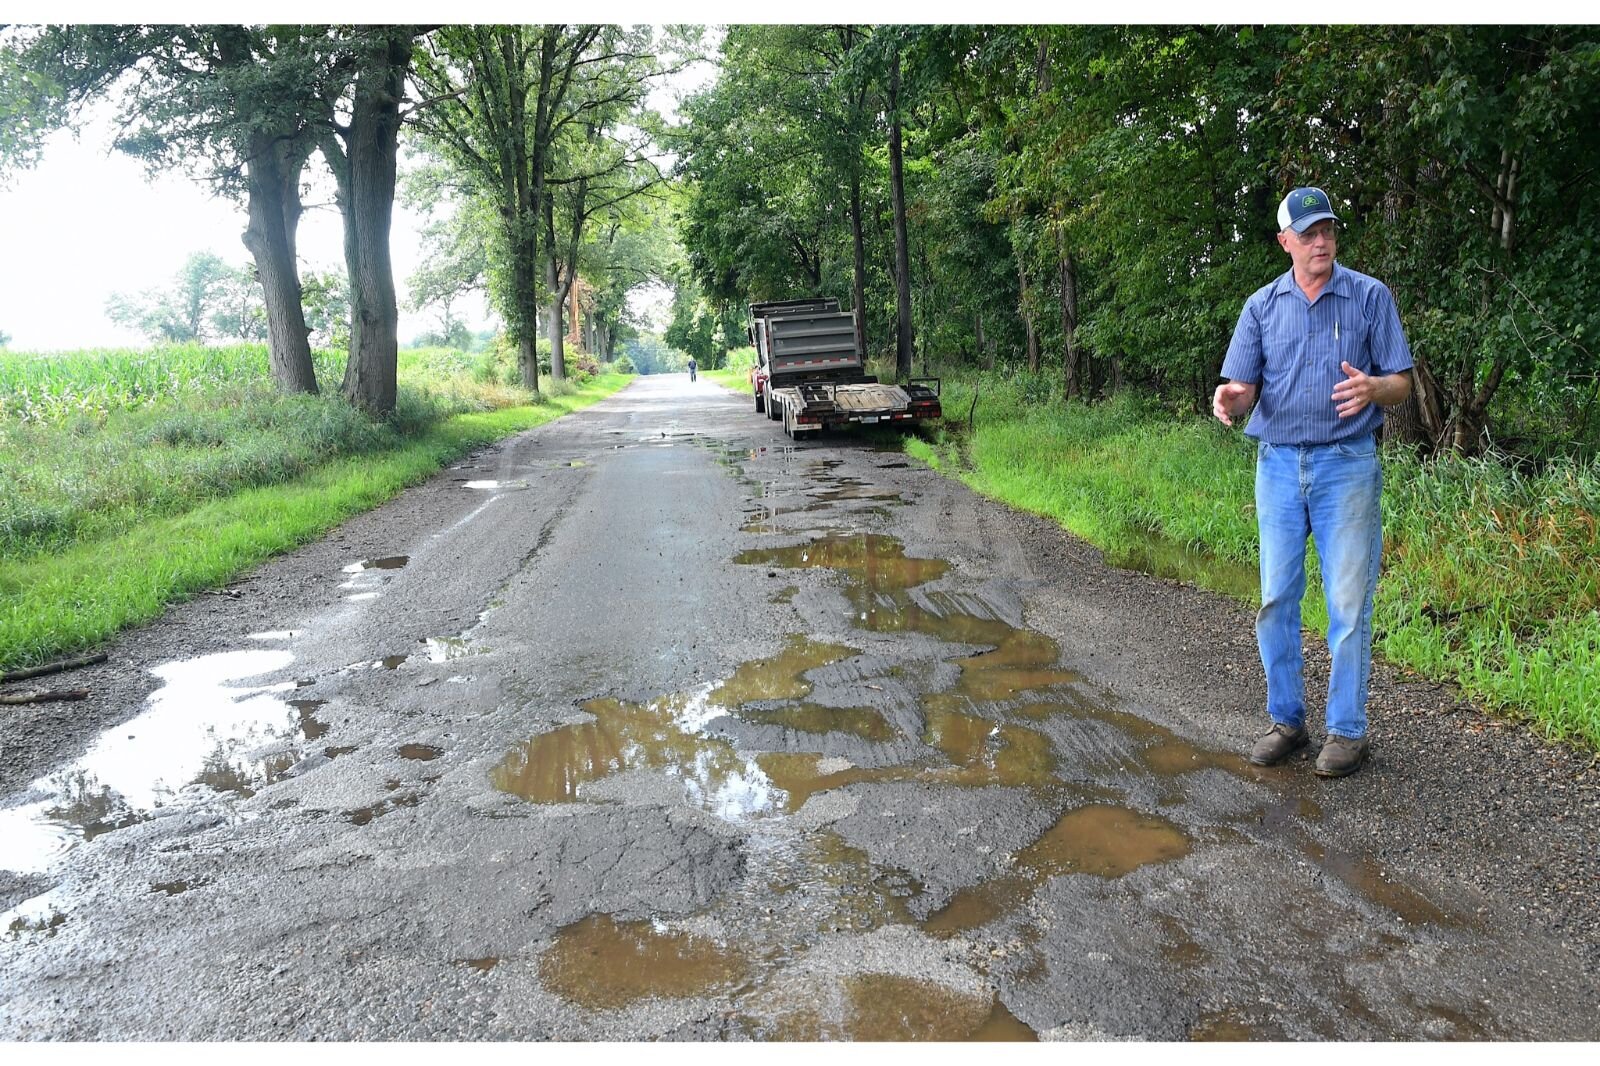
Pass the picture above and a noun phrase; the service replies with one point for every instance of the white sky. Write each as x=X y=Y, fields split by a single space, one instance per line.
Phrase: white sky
x=87 y=222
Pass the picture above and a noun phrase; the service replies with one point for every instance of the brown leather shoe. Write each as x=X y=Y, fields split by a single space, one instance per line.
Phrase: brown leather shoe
x=1341 y=756
x=1282 y=742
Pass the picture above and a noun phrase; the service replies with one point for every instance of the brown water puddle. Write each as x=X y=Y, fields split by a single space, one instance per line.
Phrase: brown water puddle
x=879 y=574
x=1370 y=881
x=1165 y=753
x=1099 y=839
x=665 y=734
x=391 y=562
x=604 y=964
x=658 y=735
x=310 y=727
x=364 y=815
x=877 y=561
x=885 y=1007
x=781 y=677
x=990 y=753
x=483 y=965
x=863 y=722
x=420 y=752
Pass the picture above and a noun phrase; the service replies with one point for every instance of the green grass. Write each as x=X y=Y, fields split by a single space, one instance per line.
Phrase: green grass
x=735 y=371
x=120 y=502
x=1491 y=576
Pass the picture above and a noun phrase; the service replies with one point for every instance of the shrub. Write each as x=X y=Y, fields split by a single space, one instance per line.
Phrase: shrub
x=623 y=365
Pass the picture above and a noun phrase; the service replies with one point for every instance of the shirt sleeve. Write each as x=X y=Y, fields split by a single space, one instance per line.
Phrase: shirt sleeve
x=1246 y=357
x=1391 y=354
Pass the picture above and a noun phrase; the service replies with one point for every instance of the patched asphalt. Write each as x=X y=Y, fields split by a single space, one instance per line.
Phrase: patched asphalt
x=652 y=724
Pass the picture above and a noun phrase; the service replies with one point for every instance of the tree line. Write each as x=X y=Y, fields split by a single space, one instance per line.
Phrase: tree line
x=1090 y=205
x=538 y=134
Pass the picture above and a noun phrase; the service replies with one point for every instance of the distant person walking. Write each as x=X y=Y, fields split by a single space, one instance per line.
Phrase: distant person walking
x=1322 y=349
x=691 y=368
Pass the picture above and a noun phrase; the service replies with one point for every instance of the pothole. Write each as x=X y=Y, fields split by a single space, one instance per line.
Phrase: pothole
x=604 y=964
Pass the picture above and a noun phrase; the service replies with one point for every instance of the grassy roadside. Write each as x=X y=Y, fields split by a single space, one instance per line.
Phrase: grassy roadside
x=1491 y=576
x=90 y=555
x=735 y=372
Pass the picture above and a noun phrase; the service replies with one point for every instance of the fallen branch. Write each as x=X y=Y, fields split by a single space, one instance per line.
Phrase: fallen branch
x=55 y=667
x=44 y=697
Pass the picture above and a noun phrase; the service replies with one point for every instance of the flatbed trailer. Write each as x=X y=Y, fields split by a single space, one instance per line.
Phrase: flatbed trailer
x=809 y=373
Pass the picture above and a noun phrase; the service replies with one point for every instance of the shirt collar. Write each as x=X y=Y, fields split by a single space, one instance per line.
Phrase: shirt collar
x=1338 y=283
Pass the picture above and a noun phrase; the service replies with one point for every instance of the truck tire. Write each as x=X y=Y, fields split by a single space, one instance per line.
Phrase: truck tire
x=760 y=405
x=774 y=410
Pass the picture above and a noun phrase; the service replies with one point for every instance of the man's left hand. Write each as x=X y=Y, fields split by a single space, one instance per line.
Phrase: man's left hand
x=1355 y=392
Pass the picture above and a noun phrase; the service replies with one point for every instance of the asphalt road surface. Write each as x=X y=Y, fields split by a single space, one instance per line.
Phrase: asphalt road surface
x=652 y=724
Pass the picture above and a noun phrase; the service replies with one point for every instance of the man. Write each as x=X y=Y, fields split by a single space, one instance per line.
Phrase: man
x=1323 y=348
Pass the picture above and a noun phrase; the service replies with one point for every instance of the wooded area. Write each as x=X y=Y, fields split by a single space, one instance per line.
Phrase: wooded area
x=1092 y=204
x=1086 y=205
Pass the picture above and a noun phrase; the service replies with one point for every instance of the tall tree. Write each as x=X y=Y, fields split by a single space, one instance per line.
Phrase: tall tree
x=362 y=150
x=234 y=104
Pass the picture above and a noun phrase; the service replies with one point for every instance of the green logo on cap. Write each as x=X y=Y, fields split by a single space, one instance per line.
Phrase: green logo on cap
x=1309 y=200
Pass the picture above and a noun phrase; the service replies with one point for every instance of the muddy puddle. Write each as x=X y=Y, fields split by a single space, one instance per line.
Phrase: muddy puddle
x=603 y=964
x=494 y=486
x=891 y=1007
x=207 y=728
x=390 y=562
x=1099 y=839
x=984 y=728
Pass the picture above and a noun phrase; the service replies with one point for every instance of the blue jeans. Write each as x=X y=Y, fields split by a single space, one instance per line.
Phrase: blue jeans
x=1330 y=491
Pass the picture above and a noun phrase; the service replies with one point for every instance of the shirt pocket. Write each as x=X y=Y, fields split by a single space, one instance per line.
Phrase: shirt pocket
x=1352 y=344
x=1283 y=336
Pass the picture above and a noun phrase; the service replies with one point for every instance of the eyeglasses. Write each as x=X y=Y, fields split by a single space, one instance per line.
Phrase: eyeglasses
x=1322 y=229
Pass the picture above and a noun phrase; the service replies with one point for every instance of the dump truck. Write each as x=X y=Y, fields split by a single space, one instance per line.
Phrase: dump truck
x=810 y=375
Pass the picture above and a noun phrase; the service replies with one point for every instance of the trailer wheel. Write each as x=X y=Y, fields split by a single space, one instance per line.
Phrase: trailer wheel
x=760 y=405
x=773 y=411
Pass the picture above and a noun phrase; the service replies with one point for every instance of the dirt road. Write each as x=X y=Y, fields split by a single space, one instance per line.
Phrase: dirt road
x=646 y=724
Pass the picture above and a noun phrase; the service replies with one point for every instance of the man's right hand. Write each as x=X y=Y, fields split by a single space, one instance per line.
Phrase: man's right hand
x=1232 y=398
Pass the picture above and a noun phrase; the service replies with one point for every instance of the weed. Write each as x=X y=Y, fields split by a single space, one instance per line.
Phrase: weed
x=1491 y=573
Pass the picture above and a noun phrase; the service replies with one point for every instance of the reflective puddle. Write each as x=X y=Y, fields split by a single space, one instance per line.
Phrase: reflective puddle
x=660 y=735
x=781 y=677
x=1099 y=839
x=603 y=964
x=391 y=562
x=885 y=1007
x=204 y=727
x=863 y=722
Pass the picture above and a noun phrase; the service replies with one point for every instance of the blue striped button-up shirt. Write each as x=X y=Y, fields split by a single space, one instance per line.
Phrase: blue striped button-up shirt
x=1292 y=347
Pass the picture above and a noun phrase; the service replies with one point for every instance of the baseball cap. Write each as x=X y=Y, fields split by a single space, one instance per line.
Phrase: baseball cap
x=1304 y=206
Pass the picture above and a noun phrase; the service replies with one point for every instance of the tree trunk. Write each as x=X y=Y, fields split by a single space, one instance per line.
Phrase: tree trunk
x=1071 y=385
x=858 y=285
x=1027 y=318
x=904 y=338
x=372 y=144
x=273 y=176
